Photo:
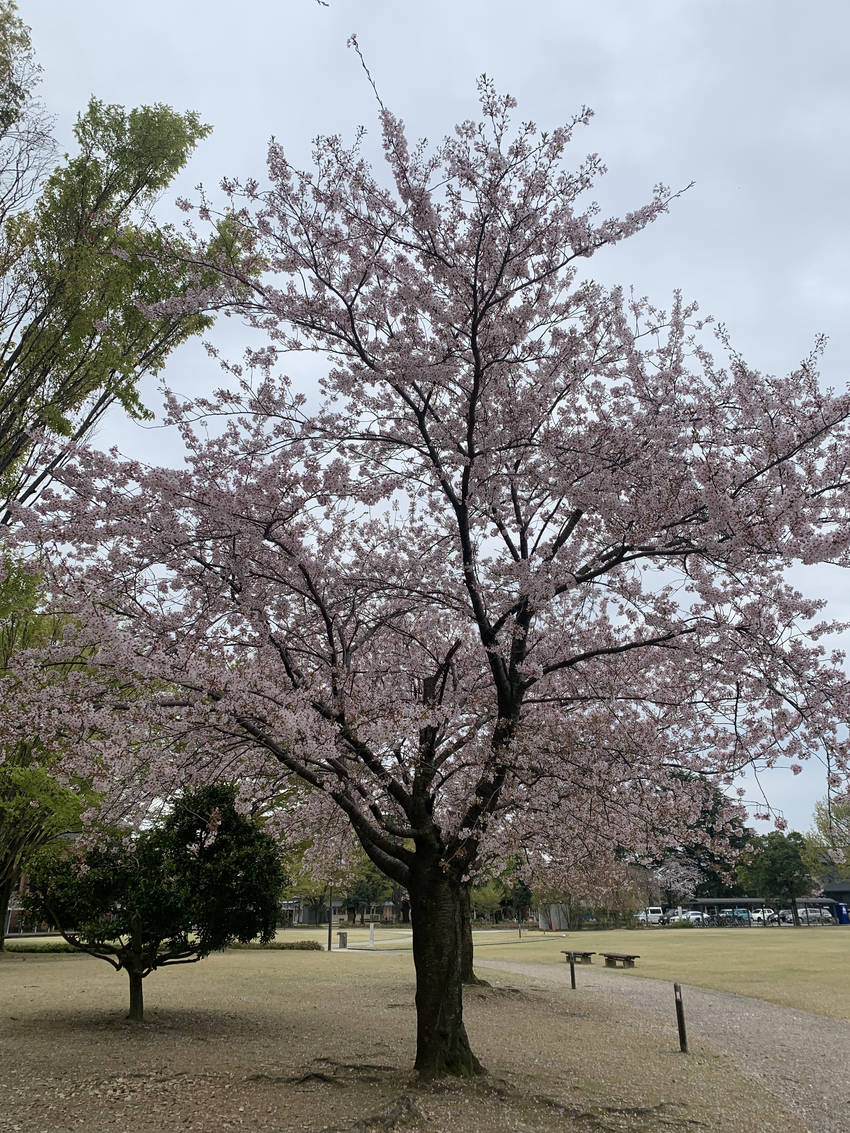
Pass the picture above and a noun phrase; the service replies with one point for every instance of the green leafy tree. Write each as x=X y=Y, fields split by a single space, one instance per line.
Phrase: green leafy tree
x=35 y=809
x=516 y=904
x=314 y=884
x=81 y=266
x=827 y=853
x=34 y=812
x=203 y=877
x=26 y=143
x=91 y=291
x=486 y=897
x=369 y=887
x=313 y=892
x=774 y=867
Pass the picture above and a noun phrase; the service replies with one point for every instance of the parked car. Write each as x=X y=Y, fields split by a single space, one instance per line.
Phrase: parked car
x=692 y=916
x=814 y=914
x=763 y=916
x=678 y=915
x=732 y=917
x=652 y=914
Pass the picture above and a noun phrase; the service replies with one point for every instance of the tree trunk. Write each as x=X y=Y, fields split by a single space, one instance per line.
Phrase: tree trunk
x=5 y=898
x=467 y=975
x=442 y=1046
x=137 y=1003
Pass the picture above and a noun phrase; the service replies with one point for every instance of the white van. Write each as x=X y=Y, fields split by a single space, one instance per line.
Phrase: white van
x=652 y=914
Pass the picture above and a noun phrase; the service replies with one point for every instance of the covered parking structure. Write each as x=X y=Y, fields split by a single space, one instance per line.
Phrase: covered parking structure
x=716 y=906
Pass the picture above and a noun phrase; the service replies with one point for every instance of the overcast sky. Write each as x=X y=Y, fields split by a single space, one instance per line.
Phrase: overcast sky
x=749 y=99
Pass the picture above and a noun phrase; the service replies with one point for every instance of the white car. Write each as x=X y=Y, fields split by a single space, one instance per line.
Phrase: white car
x=691 y=916
x=763 y=916
x=653 y=914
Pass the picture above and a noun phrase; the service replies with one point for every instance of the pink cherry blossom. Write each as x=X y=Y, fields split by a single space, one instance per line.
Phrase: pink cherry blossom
x=511 y=583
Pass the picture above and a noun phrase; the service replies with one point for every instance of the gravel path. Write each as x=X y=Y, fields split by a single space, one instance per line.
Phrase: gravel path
x=801 y=1058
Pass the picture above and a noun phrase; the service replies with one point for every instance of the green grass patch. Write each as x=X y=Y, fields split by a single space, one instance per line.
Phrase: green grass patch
x=42 y=946
x=804 y=968
x=38 y=946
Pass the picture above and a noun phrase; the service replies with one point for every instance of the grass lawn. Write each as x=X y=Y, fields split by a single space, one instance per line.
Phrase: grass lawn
x=284 y=1040
x=806 y=968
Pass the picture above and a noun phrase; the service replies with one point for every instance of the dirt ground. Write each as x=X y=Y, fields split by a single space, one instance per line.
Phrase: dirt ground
x=279 y=1041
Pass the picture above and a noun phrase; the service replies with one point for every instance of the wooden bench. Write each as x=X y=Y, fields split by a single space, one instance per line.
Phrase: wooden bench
x=577 y=957
x=627 y=959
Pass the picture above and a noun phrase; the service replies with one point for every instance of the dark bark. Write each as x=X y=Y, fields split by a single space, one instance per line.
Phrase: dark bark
x=137 y=1004
x=5 y=898
x=467 y=975
x=442 y=1046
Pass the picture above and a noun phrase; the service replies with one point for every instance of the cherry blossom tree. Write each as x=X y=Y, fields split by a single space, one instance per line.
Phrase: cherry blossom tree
x=522 y=558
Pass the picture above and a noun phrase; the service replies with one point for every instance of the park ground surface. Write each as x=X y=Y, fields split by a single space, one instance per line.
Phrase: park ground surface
x=278 y=1040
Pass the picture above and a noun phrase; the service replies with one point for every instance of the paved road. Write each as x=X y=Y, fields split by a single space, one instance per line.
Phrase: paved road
x=801 y=1058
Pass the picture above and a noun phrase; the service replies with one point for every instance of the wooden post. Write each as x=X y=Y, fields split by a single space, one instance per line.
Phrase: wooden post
x=572 y=960
x=330 y=916
x=680 y=1019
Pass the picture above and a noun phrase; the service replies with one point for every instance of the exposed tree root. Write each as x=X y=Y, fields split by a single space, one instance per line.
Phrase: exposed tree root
x=403 y=1111
x=405 y=1114
x=357 y=1066
x=617 y=1119
x=598 y=1119
x=337 y=1074
x=314 y=1076
x=488 y=991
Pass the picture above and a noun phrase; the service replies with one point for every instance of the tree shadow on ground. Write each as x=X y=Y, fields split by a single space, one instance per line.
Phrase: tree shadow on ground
x=192 y=1023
